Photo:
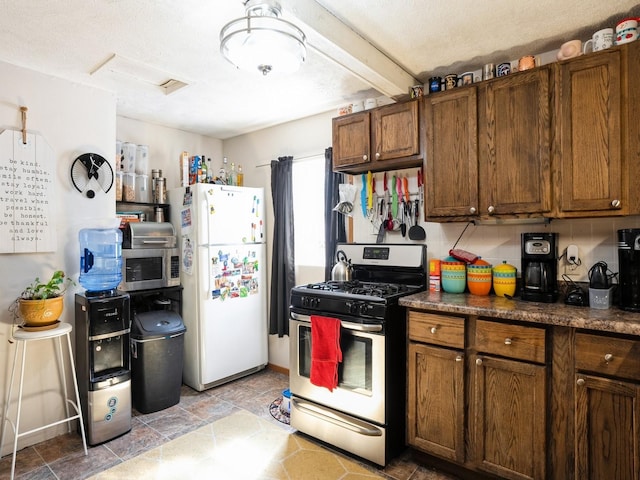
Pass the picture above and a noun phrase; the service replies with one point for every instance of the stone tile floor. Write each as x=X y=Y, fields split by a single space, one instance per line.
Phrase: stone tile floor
x=62 y=458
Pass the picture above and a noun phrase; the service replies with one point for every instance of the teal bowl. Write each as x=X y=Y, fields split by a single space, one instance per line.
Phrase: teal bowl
x=454 y=281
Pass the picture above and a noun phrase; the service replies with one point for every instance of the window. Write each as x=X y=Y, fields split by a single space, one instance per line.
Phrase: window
x=308 y=211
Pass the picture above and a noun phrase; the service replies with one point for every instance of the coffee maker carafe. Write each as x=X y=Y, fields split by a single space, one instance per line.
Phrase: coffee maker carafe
x=540 y=267
x=629 y=266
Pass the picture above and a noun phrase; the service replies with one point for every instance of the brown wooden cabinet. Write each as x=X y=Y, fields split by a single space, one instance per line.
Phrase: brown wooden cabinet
x=515 y=144
x=489 y=149
x=607 y=408
x=598 y=134
x=508 y=410
x=451 y=166
x=435 y=410
x=384 y=138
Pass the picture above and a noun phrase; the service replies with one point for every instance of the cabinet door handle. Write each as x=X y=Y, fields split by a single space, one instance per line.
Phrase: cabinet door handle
x=364 y=157
x=459 y=358
x=377 y=155
x=507 y=341
x=478 y=361
x=608 y=357
x=491 y=209
x=434 y=330
x=580 y=382
x=615 y=203
x=472 y=210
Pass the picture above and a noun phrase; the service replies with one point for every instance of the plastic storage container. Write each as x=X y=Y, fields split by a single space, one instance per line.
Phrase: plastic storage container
x=143 y=193
x=100 y=258
x=129 y=157
x=142 y=160
x=157 y=346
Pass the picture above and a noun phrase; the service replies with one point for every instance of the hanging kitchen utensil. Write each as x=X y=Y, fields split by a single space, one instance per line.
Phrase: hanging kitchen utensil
x=90 y=168
x=405 y=187
x=403 y=225
x=421 y=187
x=370 y=190
x=394 y=197
x=363 y=195
x=383 y=223
x=416 y=232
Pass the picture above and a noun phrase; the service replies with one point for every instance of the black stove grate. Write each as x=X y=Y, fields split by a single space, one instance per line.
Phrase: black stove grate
x=357 y=287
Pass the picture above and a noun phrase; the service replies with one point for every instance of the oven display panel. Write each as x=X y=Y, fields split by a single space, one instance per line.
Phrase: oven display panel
x=376 y=253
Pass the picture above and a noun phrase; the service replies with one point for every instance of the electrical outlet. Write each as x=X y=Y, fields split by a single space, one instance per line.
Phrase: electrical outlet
x=573 y=264
x=572 y=257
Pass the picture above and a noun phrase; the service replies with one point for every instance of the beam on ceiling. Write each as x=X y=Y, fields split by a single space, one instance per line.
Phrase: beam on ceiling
x=330 y=37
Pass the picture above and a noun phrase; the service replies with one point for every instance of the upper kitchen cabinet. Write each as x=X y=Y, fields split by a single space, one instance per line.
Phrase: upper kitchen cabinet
x=489 y=149
x=384 y=138
x=598 y=140
x=451 y=167
x=515 y=145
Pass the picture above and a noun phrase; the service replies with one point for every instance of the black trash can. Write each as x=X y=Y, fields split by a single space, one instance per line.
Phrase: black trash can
x=157 y=348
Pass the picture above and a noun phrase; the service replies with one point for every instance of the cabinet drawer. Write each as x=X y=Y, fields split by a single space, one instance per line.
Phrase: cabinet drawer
x=436 y=329
x=514 y=341
x=617 y=357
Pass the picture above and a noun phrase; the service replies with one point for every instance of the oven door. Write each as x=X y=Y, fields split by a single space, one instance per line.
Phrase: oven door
x=361 y=374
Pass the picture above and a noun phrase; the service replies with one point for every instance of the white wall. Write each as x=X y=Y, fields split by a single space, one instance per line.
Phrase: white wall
x=74 y=120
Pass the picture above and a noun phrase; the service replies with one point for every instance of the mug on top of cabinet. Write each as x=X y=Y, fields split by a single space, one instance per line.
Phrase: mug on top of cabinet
x=601 y=40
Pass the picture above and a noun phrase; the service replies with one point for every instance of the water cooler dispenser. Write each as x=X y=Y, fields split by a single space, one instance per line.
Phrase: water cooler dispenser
x=102 y=317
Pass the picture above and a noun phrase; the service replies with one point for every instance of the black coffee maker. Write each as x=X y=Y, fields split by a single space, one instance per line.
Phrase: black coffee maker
x=540 y=267
x=629 y=269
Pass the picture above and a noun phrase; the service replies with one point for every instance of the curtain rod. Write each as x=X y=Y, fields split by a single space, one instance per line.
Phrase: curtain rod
x=295 y=159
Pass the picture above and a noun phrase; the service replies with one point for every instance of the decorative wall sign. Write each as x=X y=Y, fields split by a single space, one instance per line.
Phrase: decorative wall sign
x=27 y=200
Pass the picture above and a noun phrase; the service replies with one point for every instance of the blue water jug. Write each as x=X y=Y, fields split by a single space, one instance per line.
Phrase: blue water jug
x=100 y=258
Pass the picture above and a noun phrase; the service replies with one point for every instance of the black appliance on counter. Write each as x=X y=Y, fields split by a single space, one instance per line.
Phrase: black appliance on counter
x=365 y=413
x=629 y=265
x=103 y=363
x=540 y=267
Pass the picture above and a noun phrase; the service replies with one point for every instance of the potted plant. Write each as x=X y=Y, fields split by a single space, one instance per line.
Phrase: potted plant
x=40 y=304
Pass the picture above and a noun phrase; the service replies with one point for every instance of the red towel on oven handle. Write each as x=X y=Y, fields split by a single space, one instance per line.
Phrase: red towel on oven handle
x=325 y=351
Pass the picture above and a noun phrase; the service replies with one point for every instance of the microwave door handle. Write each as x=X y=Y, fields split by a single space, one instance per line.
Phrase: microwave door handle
x=155 y=242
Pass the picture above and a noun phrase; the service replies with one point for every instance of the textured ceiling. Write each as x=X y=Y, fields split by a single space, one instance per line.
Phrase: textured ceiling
x=357 y=49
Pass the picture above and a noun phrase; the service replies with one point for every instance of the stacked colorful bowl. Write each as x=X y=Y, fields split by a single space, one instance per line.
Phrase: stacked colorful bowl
x=504 y=280
x=479 y=277
x=454 y=275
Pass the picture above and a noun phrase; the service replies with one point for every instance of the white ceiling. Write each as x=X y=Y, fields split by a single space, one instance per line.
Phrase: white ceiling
x=357 y=49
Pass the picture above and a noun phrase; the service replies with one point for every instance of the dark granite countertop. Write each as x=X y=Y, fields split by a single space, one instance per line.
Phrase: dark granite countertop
x=610 y=320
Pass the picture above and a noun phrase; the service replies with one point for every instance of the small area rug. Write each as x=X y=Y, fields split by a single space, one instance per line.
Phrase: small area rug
x=241 y=446
x=274 y=410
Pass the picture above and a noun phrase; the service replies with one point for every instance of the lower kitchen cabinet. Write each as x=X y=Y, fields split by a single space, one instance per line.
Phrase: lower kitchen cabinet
x=607 y=429
x=607 y=408
x=436 y=401
x=508 y=415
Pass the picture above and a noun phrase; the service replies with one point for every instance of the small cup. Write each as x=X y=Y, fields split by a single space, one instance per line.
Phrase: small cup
x=466 y=78
x=503 y=69
x=357 y=107
x=626 y=24
x=370 y=103
x=570 y=49
x=434 y=84
x=488 y=71
x=526 y=63
x=601 y=40
x=417 y=91
x=450 y=81
x=626 y=31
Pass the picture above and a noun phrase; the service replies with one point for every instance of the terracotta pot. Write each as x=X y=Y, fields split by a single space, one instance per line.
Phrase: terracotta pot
x=38 y=313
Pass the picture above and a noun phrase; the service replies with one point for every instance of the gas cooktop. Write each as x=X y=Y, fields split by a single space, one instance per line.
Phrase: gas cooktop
x=356 y=287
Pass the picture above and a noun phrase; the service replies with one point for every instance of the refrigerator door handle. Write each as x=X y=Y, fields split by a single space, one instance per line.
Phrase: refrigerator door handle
x=209 y=271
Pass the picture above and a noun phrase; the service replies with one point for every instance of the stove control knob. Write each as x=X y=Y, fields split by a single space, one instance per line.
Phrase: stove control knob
x=363 y=310
x=315 y=302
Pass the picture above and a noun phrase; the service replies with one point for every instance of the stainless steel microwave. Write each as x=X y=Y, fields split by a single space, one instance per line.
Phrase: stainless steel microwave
x=145 y=268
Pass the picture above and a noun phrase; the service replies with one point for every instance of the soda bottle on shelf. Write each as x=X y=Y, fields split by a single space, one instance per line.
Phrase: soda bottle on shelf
x=232 y=175
x=240 y=176
x=209 y=171
x=203 y=172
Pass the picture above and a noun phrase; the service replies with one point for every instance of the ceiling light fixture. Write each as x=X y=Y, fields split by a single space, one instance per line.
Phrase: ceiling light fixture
x=263 y=42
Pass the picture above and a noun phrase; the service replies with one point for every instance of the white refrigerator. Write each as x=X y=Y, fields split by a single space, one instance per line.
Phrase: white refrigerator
x=221 y=233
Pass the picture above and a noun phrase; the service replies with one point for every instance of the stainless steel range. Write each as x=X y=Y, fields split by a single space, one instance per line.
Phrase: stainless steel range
x=365 y=413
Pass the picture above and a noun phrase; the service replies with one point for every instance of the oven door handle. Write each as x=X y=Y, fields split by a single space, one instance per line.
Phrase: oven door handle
x=338 y=419
x=360 y=327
